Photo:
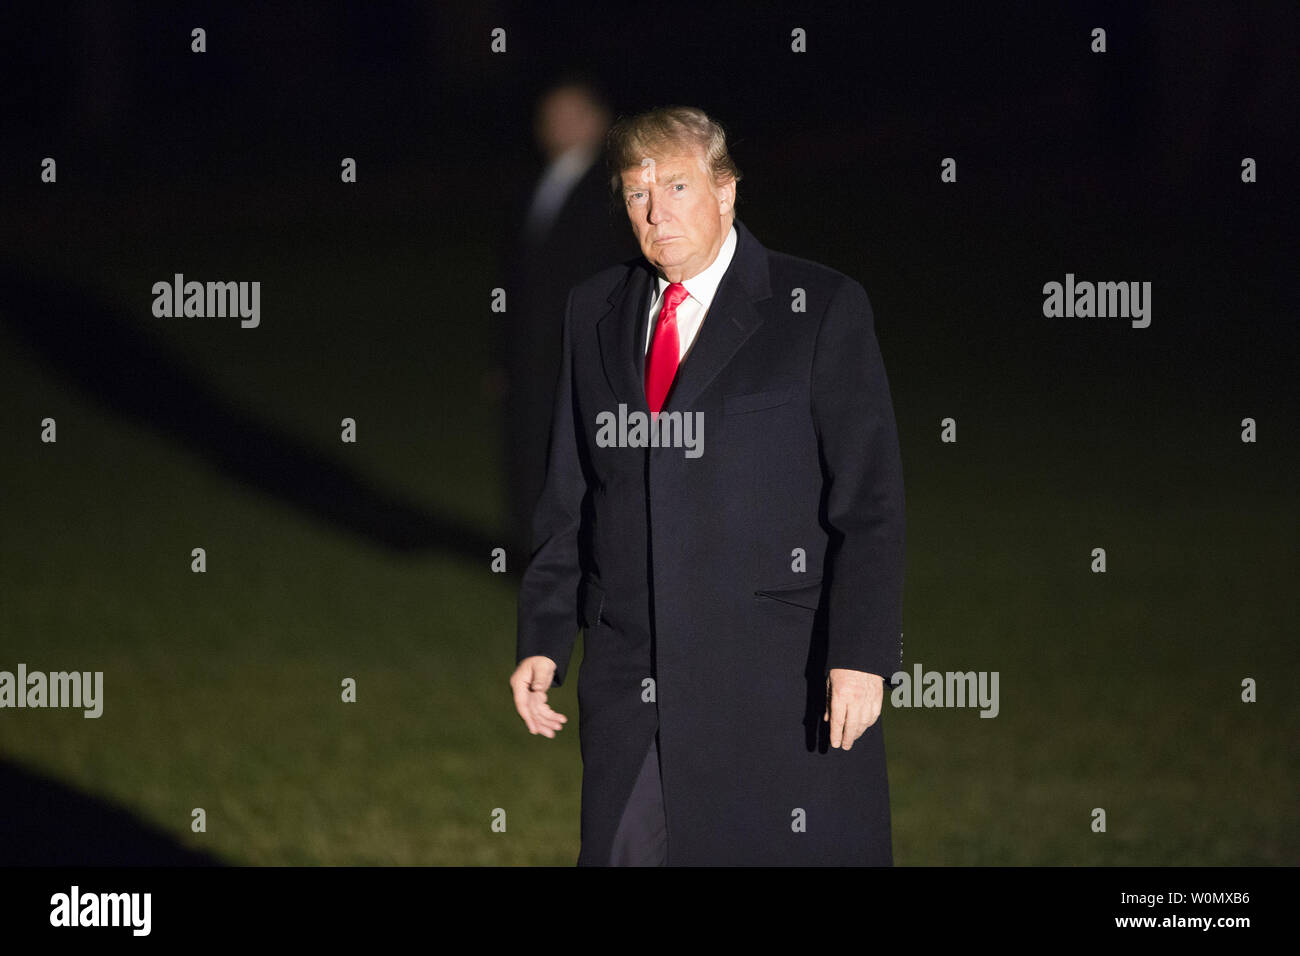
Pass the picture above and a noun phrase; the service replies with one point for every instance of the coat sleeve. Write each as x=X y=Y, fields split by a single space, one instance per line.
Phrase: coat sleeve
x=548 y=594
x=862 y=489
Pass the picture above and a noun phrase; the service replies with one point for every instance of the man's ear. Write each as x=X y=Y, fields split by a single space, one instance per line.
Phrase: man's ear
x=727 y=196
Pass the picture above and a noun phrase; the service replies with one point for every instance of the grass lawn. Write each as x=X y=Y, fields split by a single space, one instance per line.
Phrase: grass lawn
x=222 y=689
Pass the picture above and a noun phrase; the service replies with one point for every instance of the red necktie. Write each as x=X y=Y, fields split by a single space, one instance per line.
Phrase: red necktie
x=662 y=365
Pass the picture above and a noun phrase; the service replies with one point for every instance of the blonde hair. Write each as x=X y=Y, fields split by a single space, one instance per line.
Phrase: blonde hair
x=663 y=130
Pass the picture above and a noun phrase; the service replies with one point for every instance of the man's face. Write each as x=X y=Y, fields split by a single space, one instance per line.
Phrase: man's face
x=680 y=217
x=566 y=117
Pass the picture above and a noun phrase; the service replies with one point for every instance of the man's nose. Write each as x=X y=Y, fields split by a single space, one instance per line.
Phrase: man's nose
x=656 y=212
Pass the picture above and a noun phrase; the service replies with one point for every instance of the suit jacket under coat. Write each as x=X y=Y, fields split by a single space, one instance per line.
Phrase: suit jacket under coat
x=683 y=569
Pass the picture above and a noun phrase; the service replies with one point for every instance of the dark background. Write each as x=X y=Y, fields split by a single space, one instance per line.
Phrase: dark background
x=329 y=560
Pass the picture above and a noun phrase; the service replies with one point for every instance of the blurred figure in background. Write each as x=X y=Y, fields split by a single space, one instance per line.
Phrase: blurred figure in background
x=569 y=231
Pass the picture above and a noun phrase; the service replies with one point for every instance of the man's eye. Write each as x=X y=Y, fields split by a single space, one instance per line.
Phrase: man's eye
x=679 y=185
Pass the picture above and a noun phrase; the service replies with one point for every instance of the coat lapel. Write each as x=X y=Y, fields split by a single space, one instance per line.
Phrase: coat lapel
x=732 y=318
x=622 y=332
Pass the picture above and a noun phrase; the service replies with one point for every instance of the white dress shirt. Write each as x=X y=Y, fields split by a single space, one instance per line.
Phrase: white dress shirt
x=700 y=291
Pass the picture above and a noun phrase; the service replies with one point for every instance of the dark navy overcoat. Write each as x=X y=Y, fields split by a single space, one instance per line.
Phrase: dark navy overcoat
x=715 y=589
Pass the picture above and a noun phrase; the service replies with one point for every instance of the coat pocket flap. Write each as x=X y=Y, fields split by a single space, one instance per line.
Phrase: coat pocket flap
x=807 y=594
x=733 y=404
x=591 y=603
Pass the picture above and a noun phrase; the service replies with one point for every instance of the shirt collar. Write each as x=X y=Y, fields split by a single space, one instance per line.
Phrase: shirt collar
x=572 y=163
x=703 y=286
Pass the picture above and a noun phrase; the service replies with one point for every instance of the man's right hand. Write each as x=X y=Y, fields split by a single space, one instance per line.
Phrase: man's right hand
x=529 y=682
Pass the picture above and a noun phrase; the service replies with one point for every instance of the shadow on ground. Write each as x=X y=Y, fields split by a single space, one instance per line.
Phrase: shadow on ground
x=92 y=344
x=46 y=823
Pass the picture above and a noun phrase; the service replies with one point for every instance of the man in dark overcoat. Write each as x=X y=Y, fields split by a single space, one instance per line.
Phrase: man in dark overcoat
x=569 y=231
x=723 y=517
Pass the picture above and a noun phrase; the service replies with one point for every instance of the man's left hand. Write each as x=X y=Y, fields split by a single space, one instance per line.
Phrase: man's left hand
x=853 y=702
